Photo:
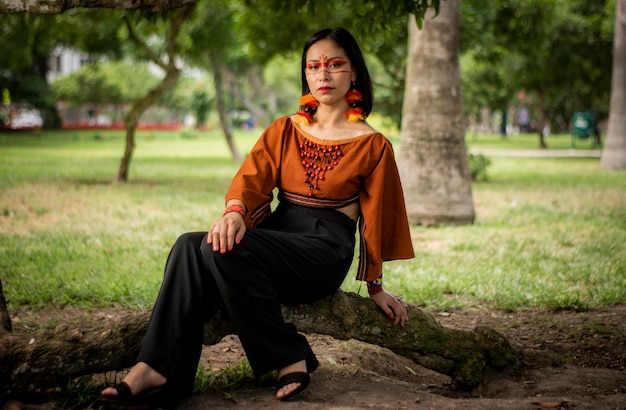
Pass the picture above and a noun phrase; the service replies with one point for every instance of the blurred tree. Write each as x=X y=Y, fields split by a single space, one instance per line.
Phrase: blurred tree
x=27 y=42
x=56 y=7
x=201 y=102
x=164 y=54
x=30 y=39
x=101 y=83
x=553 y=50
x=217 y=47
x=181 y=98
x=485 y=85
x=614 y=153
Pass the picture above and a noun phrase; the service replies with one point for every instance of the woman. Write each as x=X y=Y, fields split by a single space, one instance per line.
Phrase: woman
x=334 y=173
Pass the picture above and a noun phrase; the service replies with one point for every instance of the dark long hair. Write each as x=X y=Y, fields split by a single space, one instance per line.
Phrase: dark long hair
x=346 y=41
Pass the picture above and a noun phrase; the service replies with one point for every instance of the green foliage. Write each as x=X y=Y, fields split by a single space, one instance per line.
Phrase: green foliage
x=105 y=83
x=478 y=164
x=79 y=393
x=200 y=103
x=271 y=24
x=28 y=40
x=484 y=85
x=554 y=50
x=95 y=31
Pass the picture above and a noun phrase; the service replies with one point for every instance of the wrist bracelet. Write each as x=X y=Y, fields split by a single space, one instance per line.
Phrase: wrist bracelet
x=375 y=286
x=235 y=208
x=373 y=290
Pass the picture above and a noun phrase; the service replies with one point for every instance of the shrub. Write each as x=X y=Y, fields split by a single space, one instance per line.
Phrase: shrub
x=478 y=164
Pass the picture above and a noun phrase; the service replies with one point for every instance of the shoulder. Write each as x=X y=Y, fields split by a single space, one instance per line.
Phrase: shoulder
x=280 y=122
x=376 y=140
x=277 y=129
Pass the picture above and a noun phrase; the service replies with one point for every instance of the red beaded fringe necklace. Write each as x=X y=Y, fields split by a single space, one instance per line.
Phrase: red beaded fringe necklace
x=318 y=159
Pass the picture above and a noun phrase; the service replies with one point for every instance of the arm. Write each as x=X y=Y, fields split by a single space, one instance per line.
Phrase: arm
x=250 y=190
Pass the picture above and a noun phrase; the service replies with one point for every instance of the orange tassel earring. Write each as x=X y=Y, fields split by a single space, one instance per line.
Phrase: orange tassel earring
x=354 y=113
x=305 y=115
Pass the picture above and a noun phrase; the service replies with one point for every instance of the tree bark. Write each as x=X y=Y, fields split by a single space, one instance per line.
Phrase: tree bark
x=50 y=357
x=614 y=152
x=222 y=110
x=59 y=6
x=5 y=318
x=432 y=159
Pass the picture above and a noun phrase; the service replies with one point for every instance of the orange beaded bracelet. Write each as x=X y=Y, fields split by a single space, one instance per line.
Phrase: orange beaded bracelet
x=235 y=208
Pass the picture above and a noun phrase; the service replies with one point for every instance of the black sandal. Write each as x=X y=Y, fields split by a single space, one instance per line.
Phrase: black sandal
x=296 y=377
x=124 y=397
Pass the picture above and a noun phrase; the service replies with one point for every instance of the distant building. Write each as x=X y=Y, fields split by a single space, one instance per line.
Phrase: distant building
x=64 y=61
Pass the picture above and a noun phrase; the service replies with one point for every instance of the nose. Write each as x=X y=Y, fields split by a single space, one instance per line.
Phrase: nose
x=323 y=74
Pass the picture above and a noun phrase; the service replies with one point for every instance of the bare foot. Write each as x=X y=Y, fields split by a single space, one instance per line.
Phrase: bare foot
x=287 y=389
x=140 y=378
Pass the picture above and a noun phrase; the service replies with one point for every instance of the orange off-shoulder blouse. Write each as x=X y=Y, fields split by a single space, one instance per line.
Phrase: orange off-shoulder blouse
x=330 y=173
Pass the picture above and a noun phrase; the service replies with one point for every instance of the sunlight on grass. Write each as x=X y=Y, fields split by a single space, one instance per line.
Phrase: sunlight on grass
x=549 y=231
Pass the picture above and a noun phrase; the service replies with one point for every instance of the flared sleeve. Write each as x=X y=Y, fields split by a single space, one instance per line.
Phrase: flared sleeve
x=258 y=174
x=383 y=226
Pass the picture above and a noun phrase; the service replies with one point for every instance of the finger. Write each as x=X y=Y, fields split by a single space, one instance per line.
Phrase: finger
x=215 y=237
x=400 y=314
x=209 y=235
x=398 y=319
x=406 y=314
x=239 y=234
x=229 y=235
x=404 y=317
x=223 y=235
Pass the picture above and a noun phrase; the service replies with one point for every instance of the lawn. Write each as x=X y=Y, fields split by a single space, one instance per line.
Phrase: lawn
x=549 y=231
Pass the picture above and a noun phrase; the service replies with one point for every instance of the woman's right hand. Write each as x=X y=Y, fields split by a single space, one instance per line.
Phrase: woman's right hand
x=226 y=232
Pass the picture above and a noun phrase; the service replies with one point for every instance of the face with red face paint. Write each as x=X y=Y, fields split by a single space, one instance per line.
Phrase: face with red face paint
x=329 y=73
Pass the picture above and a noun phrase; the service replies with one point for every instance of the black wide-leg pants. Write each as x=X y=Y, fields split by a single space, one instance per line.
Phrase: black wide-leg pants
x=297 y=255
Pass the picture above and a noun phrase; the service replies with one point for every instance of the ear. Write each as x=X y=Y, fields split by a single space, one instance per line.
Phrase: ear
x=353 y=75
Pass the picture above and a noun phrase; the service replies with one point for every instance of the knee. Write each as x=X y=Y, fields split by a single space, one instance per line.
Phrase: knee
x=189 y=240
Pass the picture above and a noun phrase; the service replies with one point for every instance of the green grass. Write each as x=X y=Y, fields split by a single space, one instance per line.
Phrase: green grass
x=549 y=231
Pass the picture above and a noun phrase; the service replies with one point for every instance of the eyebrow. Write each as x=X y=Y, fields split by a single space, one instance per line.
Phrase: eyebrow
x=330 y=59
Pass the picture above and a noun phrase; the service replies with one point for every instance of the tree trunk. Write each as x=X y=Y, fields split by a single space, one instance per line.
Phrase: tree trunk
x=56 y=7
x=131 y=121
x=432 y=158
x=49 y=357
x=225 y=122
x=541 y=123
x=614 y=152
x=257 y=93
x=5 y=318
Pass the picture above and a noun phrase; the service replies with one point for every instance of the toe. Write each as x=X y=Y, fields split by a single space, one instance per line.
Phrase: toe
x=286 y=390
x=109 y=391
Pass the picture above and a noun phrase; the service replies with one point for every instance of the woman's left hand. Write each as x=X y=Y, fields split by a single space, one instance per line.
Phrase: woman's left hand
x=392 y=306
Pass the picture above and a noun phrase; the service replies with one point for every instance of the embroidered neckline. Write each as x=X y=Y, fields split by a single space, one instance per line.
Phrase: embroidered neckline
x=322 y=141
x=317 y=160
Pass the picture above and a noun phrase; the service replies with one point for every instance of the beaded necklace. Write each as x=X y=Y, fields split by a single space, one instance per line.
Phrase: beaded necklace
x=317 y=159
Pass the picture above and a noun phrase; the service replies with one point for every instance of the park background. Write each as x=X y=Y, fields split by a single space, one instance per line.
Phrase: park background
x=549 y=223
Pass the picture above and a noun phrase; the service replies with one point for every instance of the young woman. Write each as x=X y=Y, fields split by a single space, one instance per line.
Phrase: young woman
x=334 y=174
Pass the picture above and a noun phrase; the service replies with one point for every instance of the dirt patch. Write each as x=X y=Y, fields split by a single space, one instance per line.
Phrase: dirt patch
x=571 y=360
